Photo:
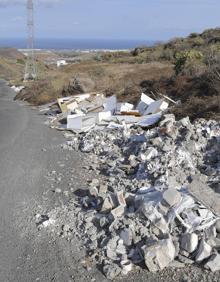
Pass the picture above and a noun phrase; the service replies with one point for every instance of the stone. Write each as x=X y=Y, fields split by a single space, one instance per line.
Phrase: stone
x=189 y=242
x=94 y=182
x=106 y=206
x=126 y=266
x=93 y=191
x=111 y=271
x=151 y=153
x=204 y=251
x=172 y=197
x=118 y=212
x=185 y=260
x=103 y=189
x=203 y=193
x=58 y=190
x=217 y=225
x=126 y=236
x=121 y=250
x=214 y=263
x=159 y=255
x=121 y=198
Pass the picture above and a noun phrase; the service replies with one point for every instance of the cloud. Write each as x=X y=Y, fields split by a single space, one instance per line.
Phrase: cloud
x=48 y=3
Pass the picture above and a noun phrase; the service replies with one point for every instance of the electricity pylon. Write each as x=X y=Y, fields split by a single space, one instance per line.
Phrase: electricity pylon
x=30 y=67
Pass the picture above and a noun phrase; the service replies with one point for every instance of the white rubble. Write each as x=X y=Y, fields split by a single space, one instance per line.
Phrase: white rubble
x=214 y=263
x=159 y=254
x=189 y=242
x=204 y=251
x=17 y=89
x=148 y=205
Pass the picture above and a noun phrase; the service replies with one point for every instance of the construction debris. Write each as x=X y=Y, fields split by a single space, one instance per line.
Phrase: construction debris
x=156 y=202
x=102 y=112
x=17 y=89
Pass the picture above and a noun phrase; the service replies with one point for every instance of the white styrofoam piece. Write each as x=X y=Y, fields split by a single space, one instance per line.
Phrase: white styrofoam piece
x=124 y=107
x=104 y=116
x=110 y=104
x=144 y=103
x=75 y=121
x=156 y=107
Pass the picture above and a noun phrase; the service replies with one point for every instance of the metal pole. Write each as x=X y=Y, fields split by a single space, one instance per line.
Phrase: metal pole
x=30 y=67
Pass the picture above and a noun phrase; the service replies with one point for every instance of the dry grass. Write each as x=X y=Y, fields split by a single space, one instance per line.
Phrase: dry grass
x=121 y=79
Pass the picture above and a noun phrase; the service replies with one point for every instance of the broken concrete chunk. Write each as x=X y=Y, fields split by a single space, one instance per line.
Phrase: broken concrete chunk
x=103 y=189
x=144 y=103
x=126 y=266
x=110 y=104
x=126 y=236
x=151 y=153
x=111 y=271
x=121 y=198
x=214 y=263
x=204 y=251
x=93 y=191
x=172 y=197
x=106 y=206
x=218 y=225
x=189 y=242
x=104 y=116
x=118 y=212
x=206 y=195
x=156 y=107
x=159 y=254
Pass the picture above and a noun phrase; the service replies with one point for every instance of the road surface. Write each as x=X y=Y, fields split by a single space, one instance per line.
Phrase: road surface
x=24 y=254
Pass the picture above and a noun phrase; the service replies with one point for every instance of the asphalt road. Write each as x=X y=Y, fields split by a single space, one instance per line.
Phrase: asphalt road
x=22 y=167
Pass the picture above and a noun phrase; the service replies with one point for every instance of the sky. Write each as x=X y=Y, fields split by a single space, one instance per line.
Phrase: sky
x=110 y=19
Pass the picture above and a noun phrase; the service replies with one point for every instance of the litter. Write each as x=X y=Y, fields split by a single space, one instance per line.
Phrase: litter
x=108 y=111
x=17 y=89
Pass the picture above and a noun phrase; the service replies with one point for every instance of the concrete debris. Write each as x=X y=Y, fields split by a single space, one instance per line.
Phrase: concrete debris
x=189 y=242
x=172 y=197
x=17 y=89
x=204 y=251
x=102 y=112
x=159 y=254
x=156 y=199
x=156 y=107
x=214 y=263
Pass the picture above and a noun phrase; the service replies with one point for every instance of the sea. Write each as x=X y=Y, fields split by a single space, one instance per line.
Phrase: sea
x=76 y=44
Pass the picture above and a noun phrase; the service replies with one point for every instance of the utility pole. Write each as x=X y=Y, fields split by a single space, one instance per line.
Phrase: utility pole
x=30 y=67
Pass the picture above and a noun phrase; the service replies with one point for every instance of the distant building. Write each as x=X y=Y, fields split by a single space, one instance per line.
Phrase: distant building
x=61 y=63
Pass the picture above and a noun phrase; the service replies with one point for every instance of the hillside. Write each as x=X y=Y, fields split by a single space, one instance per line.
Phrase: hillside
x=186 y=69
x=11 y=64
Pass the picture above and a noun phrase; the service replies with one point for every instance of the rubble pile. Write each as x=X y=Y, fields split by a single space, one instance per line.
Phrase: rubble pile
x=95 y=111
x=157 y=200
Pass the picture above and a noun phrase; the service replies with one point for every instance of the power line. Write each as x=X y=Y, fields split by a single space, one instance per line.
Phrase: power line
x=30 y=67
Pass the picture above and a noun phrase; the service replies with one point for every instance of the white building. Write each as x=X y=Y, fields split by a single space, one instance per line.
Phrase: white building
x=61 y=63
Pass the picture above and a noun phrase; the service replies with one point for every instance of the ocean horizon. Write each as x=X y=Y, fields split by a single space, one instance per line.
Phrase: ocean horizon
x=77 y=44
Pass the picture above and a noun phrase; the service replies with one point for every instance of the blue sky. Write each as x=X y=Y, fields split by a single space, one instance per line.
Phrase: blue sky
x=119 y=19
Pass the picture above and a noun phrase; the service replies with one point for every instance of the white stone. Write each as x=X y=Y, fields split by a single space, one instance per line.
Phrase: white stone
x=159 y=255
x=204 y=251
x=156 y=107
x=172 y=197
x=189 y=242
x=214 y=263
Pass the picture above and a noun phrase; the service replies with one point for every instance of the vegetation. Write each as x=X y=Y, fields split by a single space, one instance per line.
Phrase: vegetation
x=186 y=69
